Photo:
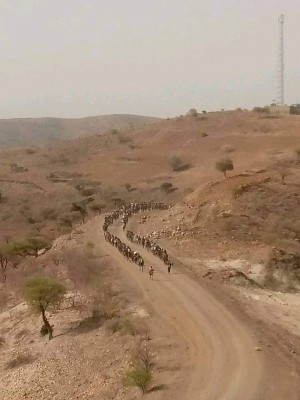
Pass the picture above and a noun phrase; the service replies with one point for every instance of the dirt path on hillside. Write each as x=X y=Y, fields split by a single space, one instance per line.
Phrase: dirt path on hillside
x=224 y=363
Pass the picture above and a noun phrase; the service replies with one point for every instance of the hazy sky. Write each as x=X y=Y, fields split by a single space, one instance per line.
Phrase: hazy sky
x=73 y=58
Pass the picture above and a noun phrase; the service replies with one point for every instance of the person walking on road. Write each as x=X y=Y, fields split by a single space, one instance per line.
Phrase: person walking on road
x=169 y=267
x=151 y=272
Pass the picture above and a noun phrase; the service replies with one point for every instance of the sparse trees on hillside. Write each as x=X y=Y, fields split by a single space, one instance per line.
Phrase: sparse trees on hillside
x=193 y=113
x=175 y=162
x=42 y=293
x=224 y=165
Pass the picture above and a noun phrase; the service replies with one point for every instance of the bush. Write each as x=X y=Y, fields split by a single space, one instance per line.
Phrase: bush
x=115 y=325
x=175 y=162
x=87 y=192
x=193 y=113
x=49 y=213
x=19 y=360
x=44 y=330
x=97 y=207
x=239 y=190
x=261 y=110
x=138 y=377
x=90 y=245
x=125 y=139
x=204 y=134
x=224 y=165
x=143 y=356
x=166 y=187
x=30 y=151
x=31 y=220
x=127 y=187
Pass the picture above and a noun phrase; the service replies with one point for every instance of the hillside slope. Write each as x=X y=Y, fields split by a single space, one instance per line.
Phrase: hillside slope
x=39 y=131
x=39 y=185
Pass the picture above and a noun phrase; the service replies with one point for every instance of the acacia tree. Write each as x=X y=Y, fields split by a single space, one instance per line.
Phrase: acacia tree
x=81 y=208
x=224 y=165
x=4 y=260
x=42 y=293
x=193 y=112
x=29 y=247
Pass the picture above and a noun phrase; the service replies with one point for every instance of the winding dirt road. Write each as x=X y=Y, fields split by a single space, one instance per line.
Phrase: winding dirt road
x=223 y=363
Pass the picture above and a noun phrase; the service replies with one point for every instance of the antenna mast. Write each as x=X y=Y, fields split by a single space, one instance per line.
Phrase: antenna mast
x=280 y=82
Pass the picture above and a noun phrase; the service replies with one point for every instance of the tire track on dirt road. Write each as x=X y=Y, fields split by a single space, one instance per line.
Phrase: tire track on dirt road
x=223 y=364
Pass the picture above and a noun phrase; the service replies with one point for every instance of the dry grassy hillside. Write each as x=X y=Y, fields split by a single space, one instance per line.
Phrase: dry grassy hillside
x=242 y=231
x=40 y=131
x=39 y=185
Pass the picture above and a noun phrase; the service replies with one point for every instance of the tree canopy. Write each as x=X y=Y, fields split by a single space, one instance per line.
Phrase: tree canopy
x=41 y=293
x=224 y=165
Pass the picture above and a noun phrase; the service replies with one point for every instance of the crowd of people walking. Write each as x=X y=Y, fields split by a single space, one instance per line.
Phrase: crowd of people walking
x=127 y=211
x=155 y=249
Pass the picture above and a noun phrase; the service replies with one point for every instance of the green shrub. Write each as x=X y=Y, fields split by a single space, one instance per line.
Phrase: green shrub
x=41 y=293
x=138 y=377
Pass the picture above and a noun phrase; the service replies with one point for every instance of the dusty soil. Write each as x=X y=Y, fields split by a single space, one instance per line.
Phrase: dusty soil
x=86 y=359
x=272 y=317
x=206 y=340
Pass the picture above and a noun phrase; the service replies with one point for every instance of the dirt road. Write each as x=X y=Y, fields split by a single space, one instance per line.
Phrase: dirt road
x=224 y=363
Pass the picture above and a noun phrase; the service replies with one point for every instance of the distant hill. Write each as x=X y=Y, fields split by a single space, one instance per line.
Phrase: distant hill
x=39 y=131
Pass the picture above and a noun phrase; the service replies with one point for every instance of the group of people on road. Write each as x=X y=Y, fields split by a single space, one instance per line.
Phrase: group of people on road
x=126 y=211
x=151 y=246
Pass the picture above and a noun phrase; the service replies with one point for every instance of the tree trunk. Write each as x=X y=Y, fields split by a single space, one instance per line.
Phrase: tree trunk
x=225 y=174
x=46 y=323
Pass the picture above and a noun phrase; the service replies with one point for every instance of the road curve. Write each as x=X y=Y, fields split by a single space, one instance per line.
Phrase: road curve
x=223 y=362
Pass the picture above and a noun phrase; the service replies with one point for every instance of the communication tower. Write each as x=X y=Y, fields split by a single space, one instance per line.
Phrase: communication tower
x=280 y=82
